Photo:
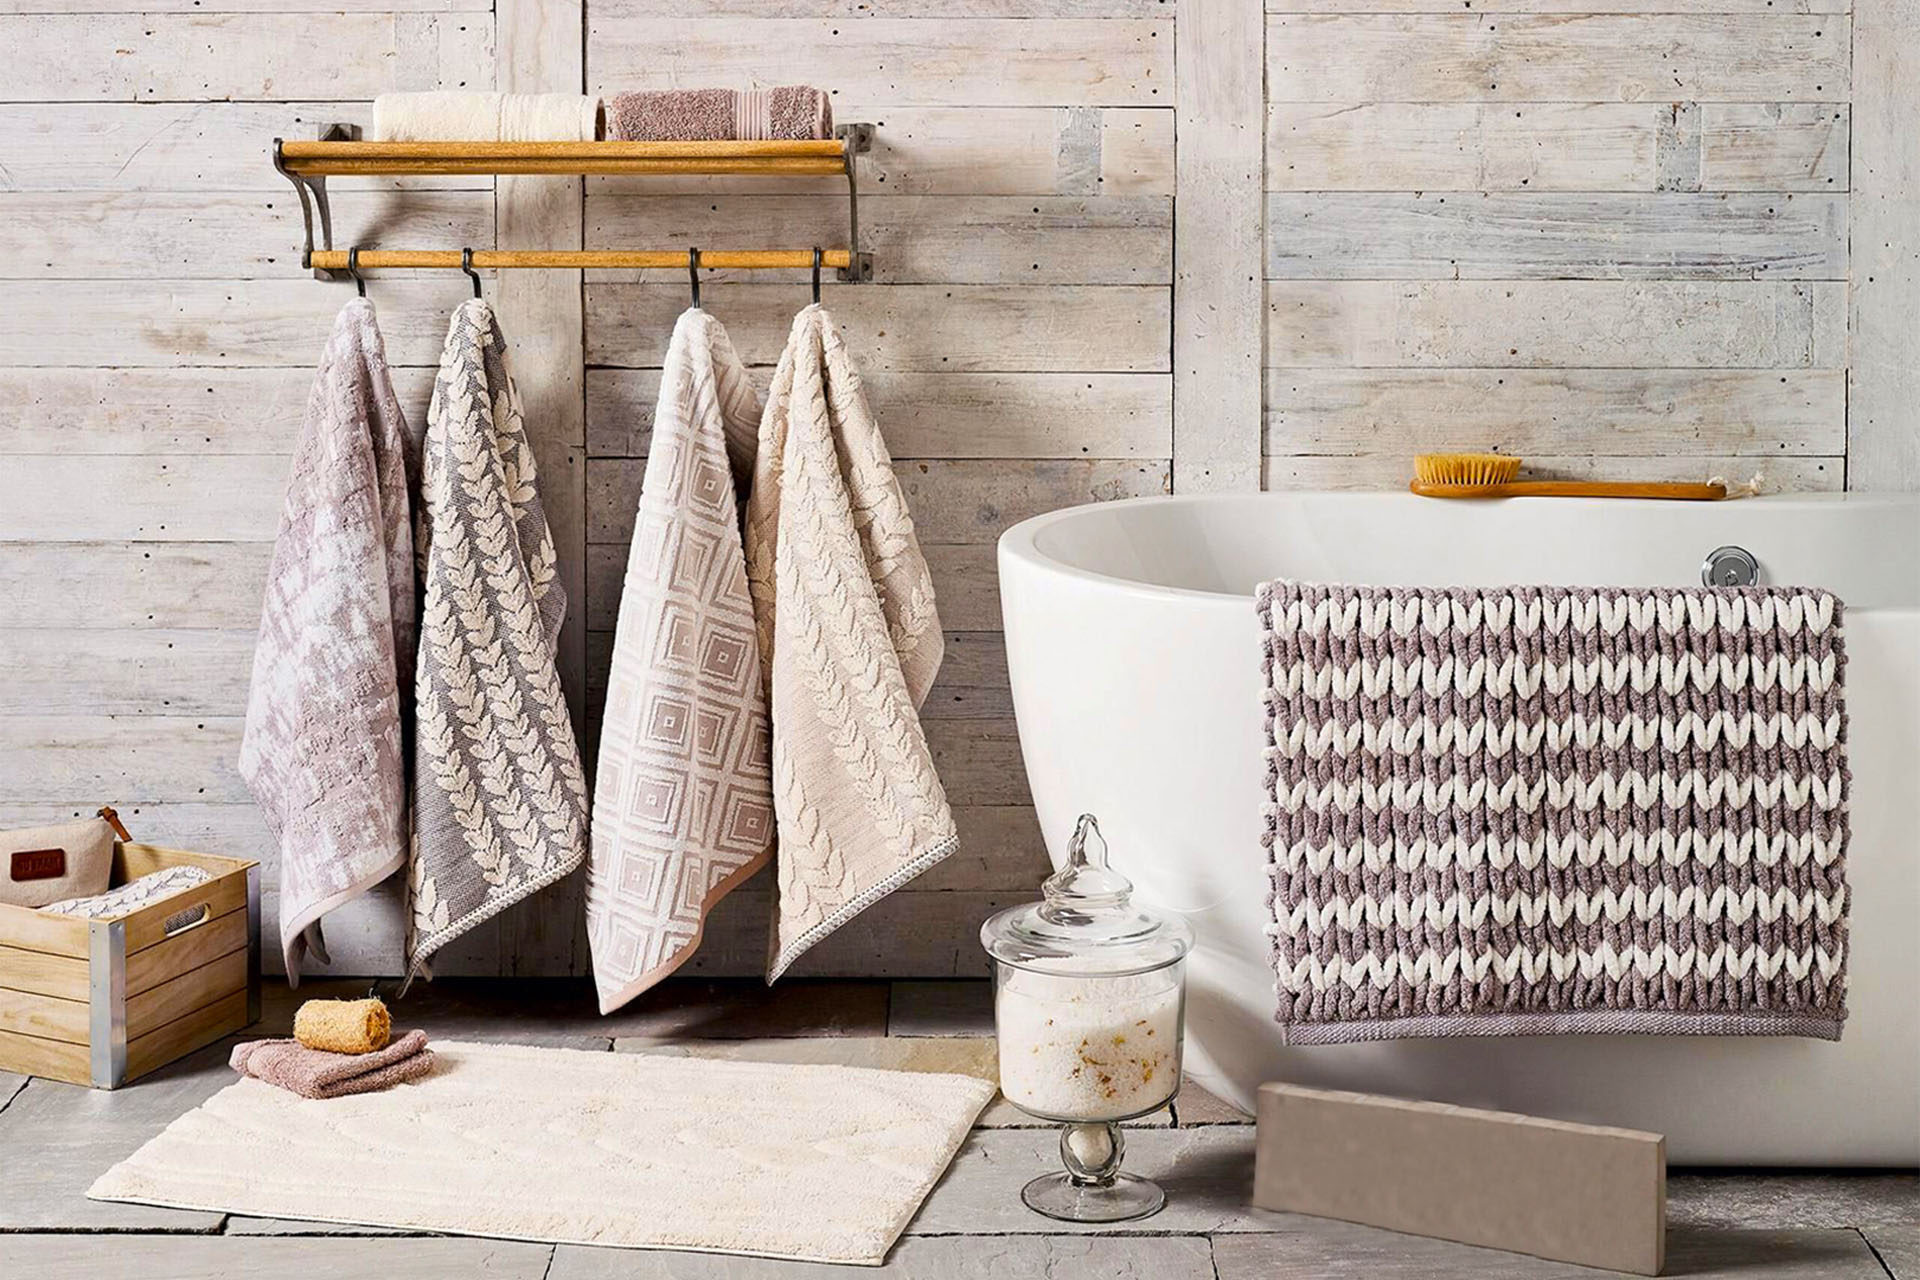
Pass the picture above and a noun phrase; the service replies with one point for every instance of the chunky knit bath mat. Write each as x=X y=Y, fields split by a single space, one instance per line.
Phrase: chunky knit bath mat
x=1531 y=810
x=818 y=1163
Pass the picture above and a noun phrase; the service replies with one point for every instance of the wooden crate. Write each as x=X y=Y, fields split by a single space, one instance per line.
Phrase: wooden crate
x=104 y=1001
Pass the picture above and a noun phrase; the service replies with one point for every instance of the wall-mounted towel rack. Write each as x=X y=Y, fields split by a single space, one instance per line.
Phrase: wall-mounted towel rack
x=338 y=152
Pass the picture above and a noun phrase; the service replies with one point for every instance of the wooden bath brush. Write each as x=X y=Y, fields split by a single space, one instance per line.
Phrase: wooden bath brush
x=1493 y=475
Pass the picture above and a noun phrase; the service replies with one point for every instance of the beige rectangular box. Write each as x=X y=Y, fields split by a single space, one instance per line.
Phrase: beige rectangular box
x=103 y=1001
x=1575 y=1193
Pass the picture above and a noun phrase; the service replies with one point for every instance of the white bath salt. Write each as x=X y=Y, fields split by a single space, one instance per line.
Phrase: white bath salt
x=1088 y=1048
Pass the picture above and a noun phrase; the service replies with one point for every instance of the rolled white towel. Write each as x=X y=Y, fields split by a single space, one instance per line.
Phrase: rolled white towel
x=463 y=116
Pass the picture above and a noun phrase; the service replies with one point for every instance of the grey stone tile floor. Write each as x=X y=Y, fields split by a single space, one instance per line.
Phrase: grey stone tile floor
x=55 y=1139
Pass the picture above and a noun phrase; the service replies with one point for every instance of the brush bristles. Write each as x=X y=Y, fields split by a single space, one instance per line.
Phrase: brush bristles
x=1465 y=468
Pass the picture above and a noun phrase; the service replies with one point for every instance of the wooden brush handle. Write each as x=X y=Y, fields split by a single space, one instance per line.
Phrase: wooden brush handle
x=1573 y=489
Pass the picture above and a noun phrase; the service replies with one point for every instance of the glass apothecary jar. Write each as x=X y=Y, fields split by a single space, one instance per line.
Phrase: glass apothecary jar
x=1089 y=1004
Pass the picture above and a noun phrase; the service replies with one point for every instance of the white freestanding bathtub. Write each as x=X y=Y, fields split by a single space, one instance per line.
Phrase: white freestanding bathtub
x=1133 y=649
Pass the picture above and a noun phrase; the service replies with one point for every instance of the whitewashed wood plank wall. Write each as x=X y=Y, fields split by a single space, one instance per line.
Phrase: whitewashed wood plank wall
x=1616 y=243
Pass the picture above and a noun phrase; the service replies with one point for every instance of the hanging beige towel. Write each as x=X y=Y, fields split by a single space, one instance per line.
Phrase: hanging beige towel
x=322 y=750
x=850 y=644
x=500 y=801
x=682 y=802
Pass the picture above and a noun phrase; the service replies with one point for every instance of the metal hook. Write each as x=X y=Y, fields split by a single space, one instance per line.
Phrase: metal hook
x=353 y=270
x=693 y=274
x=466 y=265
x=816 y=276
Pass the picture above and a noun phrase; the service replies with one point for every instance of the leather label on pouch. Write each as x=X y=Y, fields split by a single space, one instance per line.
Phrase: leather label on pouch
x=39 y=864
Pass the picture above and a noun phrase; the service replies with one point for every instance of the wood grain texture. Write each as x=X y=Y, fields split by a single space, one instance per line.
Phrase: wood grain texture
x=1218 y=162
x=191 y=411
x=193 y=57
x=937 y=415
x=1530 y=412
x=279 y=322
x=1550 y=146
x=991 y=62
x=1580 y=57
x=1508 y=236
x=1884 y=380
x=218 y=236
x=1545 y=323
x=942 y=239
x=934 y=328
x=1560 y=6
x=172 y=146
x=121 y=671
x=136 y=585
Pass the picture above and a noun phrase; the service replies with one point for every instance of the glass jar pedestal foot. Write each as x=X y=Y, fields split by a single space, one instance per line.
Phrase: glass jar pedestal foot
x=1092 y=1188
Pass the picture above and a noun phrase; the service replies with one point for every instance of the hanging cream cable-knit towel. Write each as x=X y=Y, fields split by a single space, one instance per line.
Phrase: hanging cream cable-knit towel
x=322 y=751
x=500 y=801
x=849 y=642
x=683 y=802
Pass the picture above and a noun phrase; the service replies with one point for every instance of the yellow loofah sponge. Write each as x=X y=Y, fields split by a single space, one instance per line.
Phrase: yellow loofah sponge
x=343 y=1026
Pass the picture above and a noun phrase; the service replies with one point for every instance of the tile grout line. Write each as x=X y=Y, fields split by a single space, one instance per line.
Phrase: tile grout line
x=1875 y=1251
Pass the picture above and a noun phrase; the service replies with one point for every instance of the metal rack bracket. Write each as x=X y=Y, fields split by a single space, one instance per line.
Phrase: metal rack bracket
x=858 y=139
x=312 y=189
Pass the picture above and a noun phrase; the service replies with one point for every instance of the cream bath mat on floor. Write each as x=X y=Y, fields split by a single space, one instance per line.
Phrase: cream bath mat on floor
x=815 y=1163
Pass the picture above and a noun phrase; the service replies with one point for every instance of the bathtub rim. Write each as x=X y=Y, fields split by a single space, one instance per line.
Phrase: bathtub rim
x=1020 y=541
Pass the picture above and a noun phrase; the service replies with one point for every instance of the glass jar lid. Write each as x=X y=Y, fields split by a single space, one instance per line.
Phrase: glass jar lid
x=1086 y=922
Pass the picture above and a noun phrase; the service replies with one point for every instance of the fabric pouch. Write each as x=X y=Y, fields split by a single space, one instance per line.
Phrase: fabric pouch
x=41 y=865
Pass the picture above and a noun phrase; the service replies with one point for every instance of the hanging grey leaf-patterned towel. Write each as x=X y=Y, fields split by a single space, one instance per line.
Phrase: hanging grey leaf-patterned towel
x=500 y=801
x=1552 y=810
x=849 y=644
x=683 y=801
x=322 y=751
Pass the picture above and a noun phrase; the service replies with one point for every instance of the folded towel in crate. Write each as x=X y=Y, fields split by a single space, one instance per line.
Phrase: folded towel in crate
x=1531 y=810
x=316 y=1073
x=793 y=112
x=134 y=894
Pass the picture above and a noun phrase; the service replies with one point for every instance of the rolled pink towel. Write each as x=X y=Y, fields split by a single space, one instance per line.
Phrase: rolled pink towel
x=316 y=1073
x=791 y=112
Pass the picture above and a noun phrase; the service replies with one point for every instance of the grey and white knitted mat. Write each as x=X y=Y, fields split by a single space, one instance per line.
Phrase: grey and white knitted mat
x=1535 y=810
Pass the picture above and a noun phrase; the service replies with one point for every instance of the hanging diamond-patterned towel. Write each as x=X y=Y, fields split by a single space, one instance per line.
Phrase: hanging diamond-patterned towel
x=683 y=801
x=322 y=751
x=500 y=801
x=1530 y=810
x=850 y=644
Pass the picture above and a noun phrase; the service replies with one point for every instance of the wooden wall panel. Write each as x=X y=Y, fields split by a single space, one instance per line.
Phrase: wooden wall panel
x=1613 y=240
x=1884 y=427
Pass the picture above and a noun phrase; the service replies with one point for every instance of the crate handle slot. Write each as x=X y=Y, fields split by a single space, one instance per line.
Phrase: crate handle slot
x=181 y=921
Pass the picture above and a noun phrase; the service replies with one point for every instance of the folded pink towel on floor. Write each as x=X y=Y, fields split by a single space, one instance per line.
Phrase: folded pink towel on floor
x=791 y=112
x=316 y=1073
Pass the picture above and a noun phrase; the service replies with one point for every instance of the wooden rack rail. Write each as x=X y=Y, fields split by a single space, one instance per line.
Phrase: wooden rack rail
x=339 y=153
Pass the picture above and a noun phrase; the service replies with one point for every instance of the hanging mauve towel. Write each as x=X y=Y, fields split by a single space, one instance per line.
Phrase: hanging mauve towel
x=500 y=801
x=682 y=806
x=1530 y=810
x=322 y=749
x=849 y=642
